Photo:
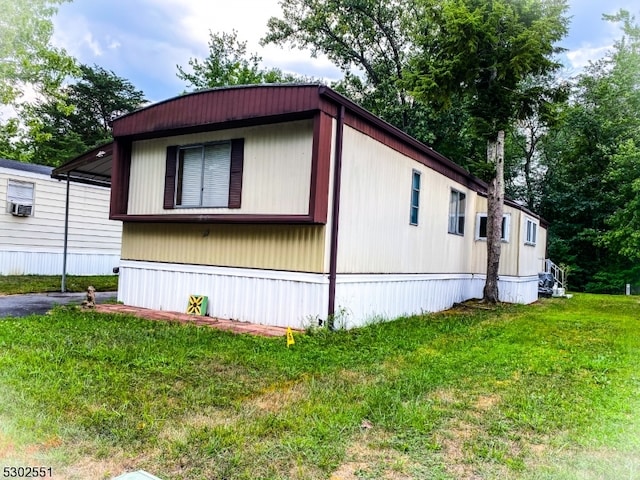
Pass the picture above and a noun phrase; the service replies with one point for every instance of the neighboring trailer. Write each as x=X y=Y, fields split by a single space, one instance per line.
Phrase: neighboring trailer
x=290 y=205
x=32 y=221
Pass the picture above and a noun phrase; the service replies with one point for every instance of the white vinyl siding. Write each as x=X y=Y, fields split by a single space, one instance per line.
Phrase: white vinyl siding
x=457 y=202
x=34 y=244
x=203 y=175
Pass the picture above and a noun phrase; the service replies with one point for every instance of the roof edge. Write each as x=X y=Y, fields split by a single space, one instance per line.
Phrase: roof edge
x=100 y=151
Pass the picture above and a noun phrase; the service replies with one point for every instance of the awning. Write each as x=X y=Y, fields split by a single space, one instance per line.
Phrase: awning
x=92 y=167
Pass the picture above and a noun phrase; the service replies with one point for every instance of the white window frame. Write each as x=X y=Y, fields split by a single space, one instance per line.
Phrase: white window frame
x=455 y=226
x=506 y=227
x=20 y=192
x=218 y=169
x=530 y=231
x=414 y=209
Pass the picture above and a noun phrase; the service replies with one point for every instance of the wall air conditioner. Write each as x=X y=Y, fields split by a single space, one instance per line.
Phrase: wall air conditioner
x=20 y=210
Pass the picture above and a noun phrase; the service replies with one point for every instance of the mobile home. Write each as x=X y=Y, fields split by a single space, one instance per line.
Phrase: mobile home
x=32 y=224
x=289 y=204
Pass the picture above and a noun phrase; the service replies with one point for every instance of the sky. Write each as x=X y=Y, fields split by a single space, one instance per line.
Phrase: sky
x=143 y=41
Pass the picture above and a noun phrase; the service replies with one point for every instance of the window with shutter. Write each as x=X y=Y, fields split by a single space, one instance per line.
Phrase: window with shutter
x=206 y=175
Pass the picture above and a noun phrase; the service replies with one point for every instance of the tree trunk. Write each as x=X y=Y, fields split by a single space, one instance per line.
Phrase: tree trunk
x=495 y=207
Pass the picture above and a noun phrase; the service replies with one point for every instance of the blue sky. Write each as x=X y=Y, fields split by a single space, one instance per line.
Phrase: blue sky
x=144 y=40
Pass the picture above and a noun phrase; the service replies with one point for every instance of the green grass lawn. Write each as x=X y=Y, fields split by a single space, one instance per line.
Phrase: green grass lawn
x=546 y=391
x=13 y=284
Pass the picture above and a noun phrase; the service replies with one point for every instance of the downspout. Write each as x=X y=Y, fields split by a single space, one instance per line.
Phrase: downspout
x=63 y=287
x=333 y=254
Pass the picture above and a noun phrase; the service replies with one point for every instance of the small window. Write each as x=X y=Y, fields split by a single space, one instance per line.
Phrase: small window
x=415 y=198
x=19 y=193
x=456 y=212
x=203 y=175
x=481 y=227
x=531 y=236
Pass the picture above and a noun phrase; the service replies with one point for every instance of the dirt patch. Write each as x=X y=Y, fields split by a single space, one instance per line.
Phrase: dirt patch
x=95 y=468
x=367 y=457
x=486 y=402
x=453 y=441
x=7 y=447
x=278 y=397
x=446 y=396
x=209 y=418
x=49 y=453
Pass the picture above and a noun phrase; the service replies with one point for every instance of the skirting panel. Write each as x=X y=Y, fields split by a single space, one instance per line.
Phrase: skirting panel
x=299 y=300
x=362 y=299
x=518 y=289
x=48 y=263
x=286 y=299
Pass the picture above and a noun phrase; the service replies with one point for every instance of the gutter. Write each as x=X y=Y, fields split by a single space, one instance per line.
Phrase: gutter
x=333 y=253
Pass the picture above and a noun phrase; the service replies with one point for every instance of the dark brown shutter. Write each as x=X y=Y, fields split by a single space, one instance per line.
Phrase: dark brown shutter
x=170 y=177
x=235 y=182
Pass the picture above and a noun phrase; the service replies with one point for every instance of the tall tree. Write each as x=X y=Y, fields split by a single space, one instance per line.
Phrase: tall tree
x=524 y=165
x=229 y=64
x=26 y=53
x=366 y=39
x=371 y=42
x=484 y=51
x=79 y=116
x=624 y=168
x=592 y=185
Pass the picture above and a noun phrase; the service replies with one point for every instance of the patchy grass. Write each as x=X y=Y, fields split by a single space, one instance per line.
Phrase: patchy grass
x=548 y=391
x=15 y=284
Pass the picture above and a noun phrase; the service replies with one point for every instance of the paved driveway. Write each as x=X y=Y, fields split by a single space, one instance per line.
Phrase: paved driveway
x=40 y=303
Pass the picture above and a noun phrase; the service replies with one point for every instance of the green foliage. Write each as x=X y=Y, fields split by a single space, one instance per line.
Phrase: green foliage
x=591 y=185
x=485 y=51
x=26 y=53
x=511 y=393
x=78 y=117
x=228 y=64
x=11 y=145
x=371 y=42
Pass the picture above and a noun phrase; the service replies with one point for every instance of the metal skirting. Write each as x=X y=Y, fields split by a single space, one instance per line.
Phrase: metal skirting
x=50 y=263
x=267 y=297
x=299 y=300
x=385 y=297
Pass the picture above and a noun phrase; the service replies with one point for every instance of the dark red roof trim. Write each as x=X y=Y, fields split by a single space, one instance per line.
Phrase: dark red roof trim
x=200 y=111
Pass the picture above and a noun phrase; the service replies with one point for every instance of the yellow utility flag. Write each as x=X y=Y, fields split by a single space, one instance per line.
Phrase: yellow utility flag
x=290 y=340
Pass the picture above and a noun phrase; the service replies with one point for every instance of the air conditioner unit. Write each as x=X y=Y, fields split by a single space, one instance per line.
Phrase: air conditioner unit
x=20 y=210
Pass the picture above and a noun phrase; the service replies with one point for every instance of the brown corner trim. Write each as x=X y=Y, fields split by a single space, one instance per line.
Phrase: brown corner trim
x=335 y=217
x=320 y=167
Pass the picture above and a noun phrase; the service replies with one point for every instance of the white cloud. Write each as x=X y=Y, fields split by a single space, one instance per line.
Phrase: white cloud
x=92 y=43
x=197 y=18
x=581 y=57
x=74 y=34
